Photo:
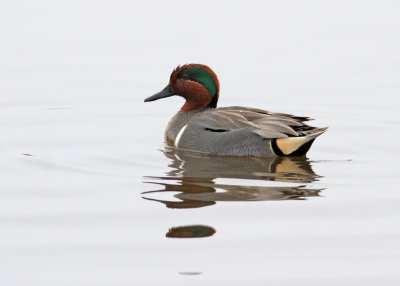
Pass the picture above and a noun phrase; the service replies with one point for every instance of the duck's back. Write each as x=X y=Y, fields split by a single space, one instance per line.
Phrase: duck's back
x=241 y=131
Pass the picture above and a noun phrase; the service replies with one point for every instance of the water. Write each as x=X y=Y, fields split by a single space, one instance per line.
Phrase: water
x=89 y=195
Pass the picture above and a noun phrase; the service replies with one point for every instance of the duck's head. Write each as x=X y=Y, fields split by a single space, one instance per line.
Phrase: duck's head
x=196 y=83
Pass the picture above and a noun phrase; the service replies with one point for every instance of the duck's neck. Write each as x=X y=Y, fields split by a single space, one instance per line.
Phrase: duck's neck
x=197 y=99
x=192 y=106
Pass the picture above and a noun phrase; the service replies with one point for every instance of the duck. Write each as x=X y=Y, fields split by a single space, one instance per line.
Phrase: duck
x=200 y=126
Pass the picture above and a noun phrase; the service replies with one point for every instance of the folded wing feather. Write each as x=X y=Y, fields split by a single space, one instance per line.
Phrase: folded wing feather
x=261 y=122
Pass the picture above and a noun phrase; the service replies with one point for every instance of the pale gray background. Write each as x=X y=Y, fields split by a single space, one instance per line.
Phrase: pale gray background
x=73 y=76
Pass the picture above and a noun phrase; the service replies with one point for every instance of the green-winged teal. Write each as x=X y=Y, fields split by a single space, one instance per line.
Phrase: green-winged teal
x=236 y=130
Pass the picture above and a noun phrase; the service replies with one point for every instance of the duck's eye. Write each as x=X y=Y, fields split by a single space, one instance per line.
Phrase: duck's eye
x=183 y=74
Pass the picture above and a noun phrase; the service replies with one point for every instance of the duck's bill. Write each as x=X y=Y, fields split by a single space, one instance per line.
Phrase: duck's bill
x=166 y=92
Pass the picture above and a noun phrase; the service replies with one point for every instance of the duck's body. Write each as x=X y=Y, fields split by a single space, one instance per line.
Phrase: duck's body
x=236 y=131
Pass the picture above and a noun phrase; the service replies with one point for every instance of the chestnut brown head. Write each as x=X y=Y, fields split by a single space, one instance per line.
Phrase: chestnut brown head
x=197 y=83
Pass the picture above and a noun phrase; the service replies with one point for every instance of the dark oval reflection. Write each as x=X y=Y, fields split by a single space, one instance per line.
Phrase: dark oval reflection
x=190 y=231
x=191 y=176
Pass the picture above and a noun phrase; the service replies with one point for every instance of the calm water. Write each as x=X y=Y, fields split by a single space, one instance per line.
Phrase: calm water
x=89 y=195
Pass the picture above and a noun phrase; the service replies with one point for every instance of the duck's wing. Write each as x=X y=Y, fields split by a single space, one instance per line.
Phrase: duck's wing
x=230 y=130
x=264 y=123
x=253 y=113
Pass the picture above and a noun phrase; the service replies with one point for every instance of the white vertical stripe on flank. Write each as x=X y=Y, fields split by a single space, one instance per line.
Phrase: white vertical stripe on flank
x=178 y=137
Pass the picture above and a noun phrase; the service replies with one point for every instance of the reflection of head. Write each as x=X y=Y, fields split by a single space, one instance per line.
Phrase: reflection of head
x=190 y=231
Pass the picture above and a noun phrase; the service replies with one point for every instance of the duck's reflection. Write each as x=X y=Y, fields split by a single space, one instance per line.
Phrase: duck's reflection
x=192 y=176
